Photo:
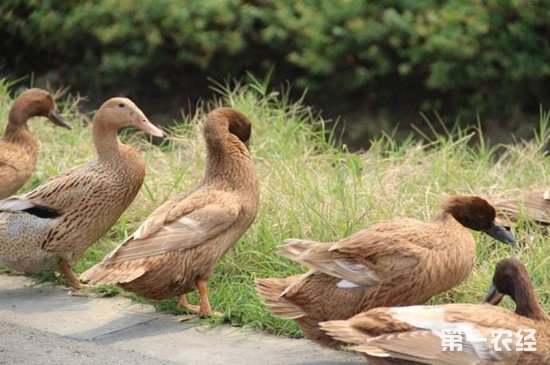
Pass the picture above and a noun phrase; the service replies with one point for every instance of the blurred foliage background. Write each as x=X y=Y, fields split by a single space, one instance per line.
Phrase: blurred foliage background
x=378 y=63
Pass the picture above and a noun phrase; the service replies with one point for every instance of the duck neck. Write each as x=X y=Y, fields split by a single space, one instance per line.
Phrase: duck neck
x=17 y=130
x=17 y=121
x=105 y=140
x=527 y=304
x=445 y=217
x=229 y=163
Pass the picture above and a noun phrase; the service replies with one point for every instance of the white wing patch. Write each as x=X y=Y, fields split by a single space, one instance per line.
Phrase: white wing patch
x=344 y=284
x=139 y=232
x=357 y=269
x=192 y=223
x=433 y=319
x=15 y=204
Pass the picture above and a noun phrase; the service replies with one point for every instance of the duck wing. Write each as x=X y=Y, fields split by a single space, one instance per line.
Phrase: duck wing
x=178 y=225
x=16 y=204
x=70 y=189
x=49 y=199
x=370 y=256
x=420 y=333
x=78 y=192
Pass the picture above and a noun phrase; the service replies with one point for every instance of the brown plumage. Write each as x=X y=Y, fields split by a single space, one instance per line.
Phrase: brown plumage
x=414 y=335
x=534 y=204
x=55 y=223
x=18 y=147
x=176 y=248
x=397 y=262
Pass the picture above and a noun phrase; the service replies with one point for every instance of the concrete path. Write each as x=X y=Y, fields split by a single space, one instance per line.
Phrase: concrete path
x=21 y=345
x=118 y=331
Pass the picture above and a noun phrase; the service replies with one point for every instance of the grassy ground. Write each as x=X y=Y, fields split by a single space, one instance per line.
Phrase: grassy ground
x=310 y=188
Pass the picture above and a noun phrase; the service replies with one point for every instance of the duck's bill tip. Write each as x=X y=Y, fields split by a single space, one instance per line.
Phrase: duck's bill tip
x=501 y=234
x=151 y=129
x=493 y=296
x=55 y=117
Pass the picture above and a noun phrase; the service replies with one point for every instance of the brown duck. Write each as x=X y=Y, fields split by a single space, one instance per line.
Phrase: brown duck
x=534 y=204
x=176 y=248
x=18 y=147
x=51 y=226
x=397 y=262
x=415 y=335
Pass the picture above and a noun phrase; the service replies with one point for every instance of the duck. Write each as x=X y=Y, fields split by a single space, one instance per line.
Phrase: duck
x=415 y=335
x=535 y=204
x=50 y=227
x=18 y=146
x=175 y=250
x=397 y=262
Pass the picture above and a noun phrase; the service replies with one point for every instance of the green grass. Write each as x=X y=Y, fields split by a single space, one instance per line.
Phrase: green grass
x=311 y=188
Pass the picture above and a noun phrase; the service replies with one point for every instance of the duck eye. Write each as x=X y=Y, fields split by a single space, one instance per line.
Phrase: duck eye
x=121 y=105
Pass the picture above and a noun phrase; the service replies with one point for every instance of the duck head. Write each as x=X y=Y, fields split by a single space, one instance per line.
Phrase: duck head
x=226 y=122
x=476 y=213
x=511 y=278
x=33 y=103
x=240 y=127
x=122 y=112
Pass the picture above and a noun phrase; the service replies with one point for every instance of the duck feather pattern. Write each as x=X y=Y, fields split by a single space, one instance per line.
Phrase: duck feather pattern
x=397 y=262
x=183 y=239
x=61 y=218
x=489 y=334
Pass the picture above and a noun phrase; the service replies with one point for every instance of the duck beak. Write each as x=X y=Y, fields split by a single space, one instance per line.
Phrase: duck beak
x=501 y=234
x=145 y=125
x=56 y=119
x=493 y=297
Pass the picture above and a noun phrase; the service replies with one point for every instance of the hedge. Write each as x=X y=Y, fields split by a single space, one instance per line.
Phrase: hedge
x=488 y=55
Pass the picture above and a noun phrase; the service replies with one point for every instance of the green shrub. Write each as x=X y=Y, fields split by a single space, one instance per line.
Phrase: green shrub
x=488 y=55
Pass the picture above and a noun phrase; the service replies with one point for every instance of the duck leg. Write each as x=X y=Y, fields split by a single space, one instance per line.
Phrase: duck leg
x=184 y=304
x=205 y=309
x=69 y=275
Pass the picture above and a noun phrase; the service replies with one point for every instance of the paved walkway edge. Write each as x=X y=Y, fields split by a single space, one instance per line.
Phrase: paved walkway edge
x=122 y=324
